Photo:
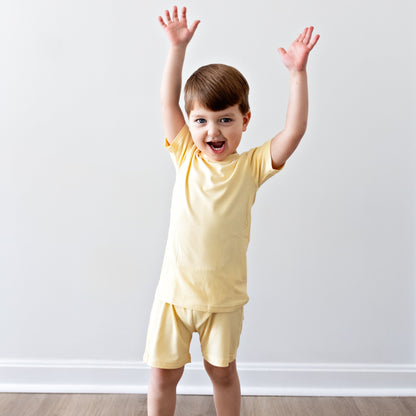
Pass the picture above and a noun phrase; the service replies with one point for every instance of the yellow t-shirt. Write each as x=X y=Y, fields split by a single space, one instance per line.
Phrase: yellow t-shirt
x=204 y=267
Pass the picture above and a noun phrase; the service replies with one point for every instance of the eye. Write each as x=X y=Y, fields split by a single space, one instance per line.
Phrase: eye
x=226 y=120
x=200 y=121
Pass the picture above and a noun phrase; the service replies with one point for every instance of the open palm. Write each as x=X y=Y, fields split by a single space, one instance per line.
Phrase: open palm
x=177 y=30
x=297 y=55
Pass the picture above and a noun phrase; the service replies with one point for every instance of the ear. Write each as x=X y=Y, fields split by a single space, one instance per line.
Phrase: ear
x=246 y=119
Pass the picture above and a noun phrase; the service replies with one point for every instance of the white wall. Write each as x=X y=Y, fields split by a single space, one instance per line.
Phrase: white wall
x=85 y=189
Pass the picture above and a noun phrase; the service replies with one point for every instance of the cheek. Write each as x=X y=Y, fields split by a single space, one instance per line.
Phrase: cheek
x=194 y=132
x=237 y=133
x=197 y=136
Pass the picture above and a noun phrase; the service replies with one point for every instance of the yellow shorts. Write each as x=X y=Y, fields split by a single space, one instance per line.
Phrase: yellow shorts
x=170 y=333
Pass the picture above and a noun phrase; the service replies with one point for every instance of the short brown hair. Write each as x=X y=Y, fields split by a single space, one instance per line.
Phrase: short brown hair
x=216 y=87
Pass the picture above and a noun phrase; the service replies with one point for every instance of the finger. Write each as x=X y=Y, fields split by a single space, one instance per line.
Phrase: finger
x=193 y=26
x=183 y=16
x=168 y=19
x=308 y=34
x=301 y=37
x=313 y=43
x=175 y=14
x=161 y=21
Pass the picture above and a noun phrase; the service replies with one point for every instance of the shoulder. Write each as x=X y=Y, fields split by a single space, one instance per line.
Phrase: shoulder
x=181 y=145
x=184 y=135
x=258 y=153
x=259 y=161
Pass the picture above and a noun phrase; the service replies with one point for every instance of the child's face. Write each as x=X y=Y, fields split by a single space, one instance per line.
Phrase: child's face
x=217 y=134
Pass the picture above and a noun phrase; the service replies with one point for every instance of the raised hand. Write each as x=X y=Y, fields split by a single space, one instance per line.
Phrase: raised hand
x=177 y=30
x=297 y=55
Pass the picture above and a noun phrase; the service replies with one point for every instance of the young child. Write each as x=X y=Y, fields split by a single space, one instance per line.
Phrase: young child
x=202 y=287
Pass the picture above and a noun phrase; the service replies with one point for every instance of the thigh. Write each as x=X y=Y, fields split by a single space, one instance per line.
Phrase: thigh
x=220 y=337
x=168 y=337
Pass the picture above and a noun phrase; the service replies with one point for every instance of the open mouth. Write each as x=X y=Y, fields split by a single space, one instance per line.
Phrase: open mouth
x=217 y=147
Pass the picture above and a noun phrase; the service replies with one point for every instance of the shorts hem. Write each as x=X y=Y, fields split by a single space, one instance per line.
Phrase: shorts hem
x=219 y=363
x=165 y=365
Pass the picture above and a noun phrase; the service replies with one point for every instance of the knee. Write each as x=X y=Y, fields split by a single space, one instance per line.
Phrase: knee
x=164 y=379
x=223 y=376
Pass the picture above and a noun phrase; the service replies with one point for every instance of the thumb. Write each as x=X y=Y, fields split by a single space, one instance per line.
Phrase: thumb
x=193 y=26
x=282 y=51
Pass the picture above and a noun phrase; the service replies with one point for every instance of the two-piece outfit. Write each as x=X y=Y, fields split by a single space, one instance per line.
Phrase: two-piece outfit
x=203 y=282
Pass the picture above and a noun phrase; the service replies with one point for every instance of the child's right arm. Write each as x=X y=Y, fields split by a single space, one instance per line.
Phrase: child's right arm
x=179 y=36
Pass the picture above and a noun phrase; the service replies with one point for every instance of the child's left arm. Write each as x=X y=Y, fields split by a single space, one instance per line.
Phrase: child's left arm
x=285 y=143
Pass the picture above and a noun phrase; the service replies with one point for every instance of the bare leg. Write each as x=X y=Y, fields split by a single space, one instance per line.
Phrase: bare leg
x=161 y=396
x=227 y=394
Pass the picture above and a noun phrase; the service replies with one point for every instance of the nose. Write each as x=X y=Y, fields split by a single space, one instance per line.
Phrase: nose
x=213 y=130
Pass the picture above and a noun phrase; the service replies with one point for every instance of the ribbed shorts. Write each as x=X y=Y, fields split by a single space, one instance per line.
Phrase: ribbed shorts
x=170 y=332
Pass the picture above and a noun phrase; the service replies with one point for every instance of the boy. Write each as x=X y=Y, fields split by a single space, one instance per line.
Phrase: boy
x=202 y=287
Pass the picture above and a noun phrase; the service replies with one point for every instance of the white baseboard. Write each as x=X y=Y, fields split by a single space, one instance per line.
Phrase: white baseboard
x=269 y=379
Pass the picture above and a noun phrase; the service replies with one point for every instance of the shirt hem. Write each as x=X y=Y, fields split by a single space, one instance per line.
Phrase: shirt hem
x=203 y=308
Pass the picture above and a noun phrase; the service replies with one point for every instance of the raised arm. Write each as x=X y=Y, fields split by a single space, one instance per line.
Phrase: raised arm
x=295 y=59
x=179 y=36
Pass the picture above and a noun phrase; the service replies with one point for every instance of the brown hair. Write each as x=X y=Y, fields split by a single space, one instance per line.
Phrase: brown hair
x=216 y=87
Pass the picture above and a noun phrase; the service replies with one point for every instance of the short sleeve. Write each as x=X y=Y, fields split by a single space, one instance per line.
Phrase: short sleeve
x=260 y=160
x=180 y=146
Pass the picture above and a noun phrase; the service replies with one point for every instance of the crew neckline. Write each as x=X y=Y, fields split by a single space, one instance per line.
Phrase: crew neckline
x=229 y=158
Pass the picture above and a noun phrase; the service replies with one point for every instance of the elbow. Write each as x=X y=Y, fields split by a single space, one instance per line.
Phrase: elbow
x=301 y=130
x=296 y=130
x=297 y=134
